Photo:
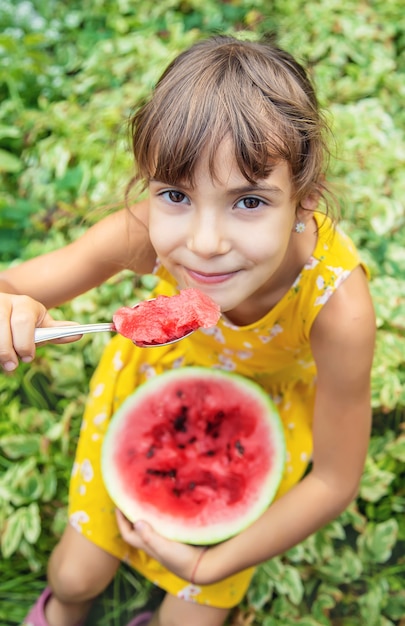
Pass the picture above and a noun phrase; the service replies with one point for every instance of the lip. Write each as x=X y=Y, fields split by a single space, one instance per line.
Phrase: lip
x=210 y=279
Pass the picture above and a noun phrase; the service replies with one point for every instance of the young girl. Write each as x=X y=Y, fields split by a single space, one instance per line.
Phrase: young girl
x=231 y=148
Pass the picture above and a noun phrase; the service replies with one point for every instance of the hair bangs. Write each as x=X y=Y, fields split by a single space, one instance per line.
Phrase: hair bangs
x=254 y=94
x=171 y=134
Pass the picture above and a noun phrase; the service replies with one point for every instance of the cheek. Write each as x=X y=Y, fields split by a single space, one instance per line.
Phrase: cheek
x=267 y=251
x=159 y=243
x=162 y=235
x=264 y=249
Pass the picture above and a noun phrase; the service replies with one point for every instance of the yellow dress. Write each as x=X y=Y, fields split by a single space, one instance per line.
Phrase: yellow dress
x=273 y=351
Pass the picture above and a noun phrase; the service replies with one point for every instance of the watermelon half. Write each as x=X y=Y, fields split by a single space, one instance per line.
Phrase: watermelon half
x=198 y=453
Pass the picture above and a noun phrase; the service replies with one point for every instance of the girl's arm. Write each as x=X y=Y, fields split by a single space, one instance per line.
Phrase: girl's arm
x=119 y=241
x=343 y=343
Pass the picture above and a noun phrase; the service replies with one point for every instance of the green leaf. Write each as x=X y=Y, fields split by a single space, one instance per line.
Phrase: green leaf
x=17 y=446
x=289 y=583
x=307 y=621
x=260 y=593
x=375 y=482
x=378 y=541
x=395 y=605
x=49 y=484
x=325 y=600
x=31 y=522
x=9 y=131
x=12 y=534
x=371 y=604
x=9 y=162
x=270 y=621
x=293 y=585
x=396 y=449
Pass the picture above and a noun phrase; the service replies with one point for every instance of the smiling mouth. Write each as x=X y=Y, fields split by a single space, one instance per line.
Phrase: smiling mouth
x=210 y=279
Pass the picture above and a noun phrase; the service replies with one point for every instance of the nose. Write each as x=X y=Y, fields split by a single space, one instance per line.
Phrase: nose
x=207 y=236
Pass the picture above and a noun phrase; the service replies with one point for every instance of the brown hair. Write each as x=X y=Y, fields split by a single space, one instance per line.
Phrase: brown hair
x=253 y=92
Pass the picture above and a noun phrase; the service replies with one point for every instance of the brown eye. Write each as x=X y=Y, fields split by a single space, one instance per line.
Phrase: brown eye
x=176 y=196
x=250 y=203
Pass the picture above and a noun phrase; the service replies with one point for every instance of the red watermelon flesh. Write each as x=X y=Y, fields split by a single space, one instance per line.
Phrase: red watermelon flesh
x=166 y=318
x=198 y=453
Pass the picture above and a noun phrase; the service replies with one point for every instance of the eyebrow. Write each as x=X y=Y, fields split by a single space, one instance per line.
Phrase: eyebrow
x=235 y=191
x=256 y=189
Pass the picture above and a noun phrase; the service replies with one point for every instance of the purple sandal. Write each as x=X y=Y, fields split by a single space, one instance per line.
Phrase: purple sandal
x=141 y=620
x=36 y=616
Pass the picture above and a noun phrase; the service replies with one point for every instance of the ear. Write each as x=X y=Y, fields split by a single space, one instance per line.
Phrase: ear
x=308 y=205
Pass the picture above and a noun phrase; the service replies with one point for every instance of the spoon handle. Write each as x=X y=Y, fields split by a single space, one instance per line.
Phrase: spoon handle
x=57 y=332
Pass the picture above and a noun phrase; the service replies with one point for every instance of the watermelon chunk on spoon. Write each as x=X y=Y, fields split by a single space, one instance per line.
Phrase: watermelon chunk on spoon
x=166 y=318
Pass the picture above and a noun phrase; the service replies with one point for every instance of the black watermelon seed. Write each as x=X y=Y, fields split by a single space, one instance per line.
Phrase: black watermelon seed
x=180 y=422
x=154 y=472
x=239 y=447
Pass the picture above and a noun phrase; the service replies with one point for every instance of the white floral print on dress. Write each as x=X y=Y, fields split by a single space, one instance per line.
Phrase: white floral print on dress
x=324 y=297
x=98 y=390
x=244 y=354
x=274 y=331
x=100 y=418
x=148 y=370
x=214 y=332
x=86 y=471
x=311 y=263
x=226 y=363
x=189 y=593
x=118 y=363
x=77 y=519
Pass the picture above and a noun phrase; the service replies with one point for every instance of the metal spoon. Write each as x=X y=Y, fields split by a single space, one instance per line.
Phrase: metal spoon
x=58 y=332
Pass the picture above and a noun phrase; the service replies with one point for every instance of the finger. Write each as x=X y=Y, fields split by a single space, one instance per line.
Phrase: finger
x=171 y=553
x=18 y=315
x=124 y=524
x=138 y=535
x=8 y=355
x=177 y=557
x=27 y=314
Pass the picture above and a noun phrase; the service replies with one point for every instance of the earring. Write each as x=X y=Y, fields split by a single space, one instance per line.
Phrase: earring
x=299 y=227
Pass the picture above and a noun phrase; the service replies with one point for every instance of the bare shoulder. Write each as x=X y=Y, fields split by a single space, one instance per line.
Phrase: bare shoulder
x=343 y=335
x=120 y=240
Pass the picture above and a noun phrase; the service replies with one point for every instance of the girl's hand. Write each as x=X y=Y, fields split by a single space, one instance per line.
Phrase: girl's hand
x=179 y=558
x=19 y=316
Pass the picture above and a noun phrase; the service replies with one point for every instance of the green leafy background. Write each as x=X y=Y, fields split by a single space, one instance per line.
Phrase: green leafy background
x=70 y=73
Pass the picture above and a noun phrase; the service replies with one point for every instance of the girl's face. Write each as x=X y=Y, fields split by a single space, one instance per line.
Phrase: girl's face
x=226 y=237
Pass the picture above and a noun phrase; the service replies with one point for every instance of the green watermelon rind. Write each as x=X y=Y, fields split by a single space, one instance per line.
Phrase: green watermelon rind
x=175 y=529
